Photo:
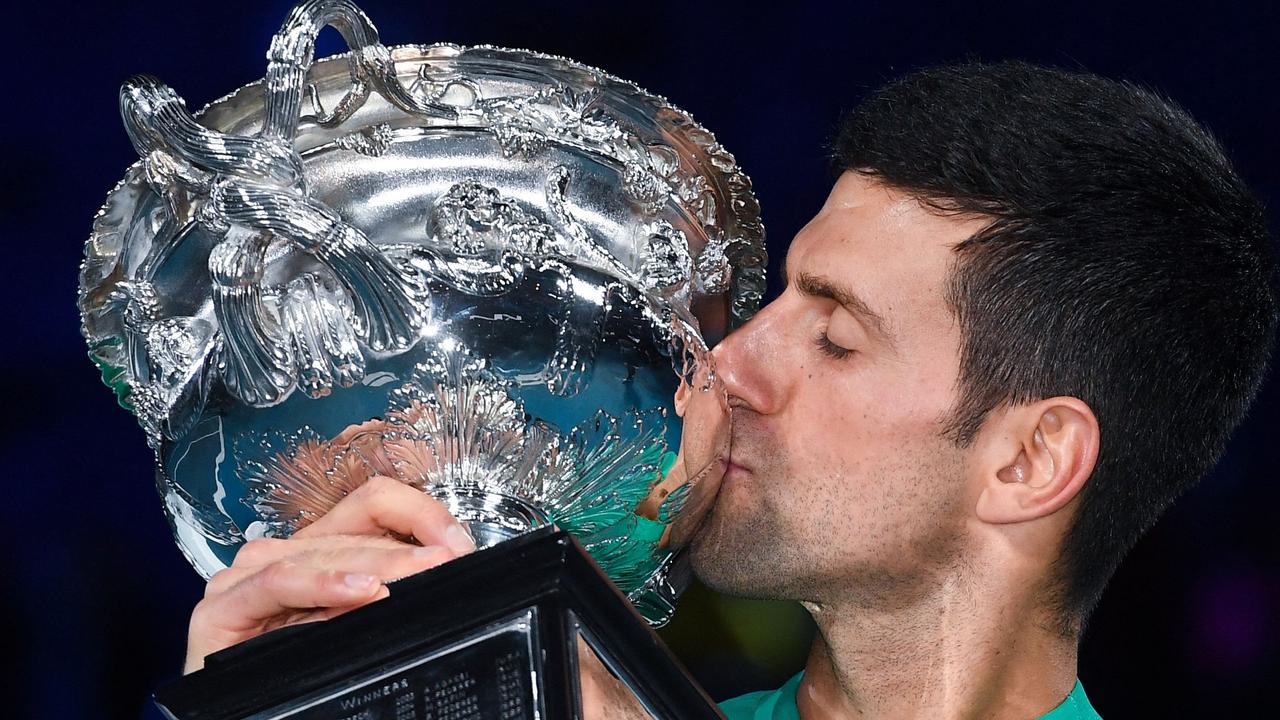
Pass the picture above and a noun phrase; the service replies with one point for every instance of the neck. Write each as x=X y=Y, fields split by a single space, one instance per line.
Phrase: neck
x=963 y=651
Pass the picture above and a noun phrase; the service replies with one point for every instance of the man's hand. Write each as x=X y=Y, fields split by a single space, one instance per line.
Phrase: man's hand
x=341 y=562
x=334 y=565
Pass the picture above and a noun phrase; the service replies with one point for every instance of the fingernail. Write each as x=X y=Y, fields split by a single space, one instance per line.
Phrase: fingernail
x=458 y=540
x=359 y=581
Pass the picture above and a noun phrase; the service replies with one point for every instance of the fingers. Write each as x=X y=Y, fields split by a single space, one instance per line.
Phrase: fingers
x=264 y=551
x=337 y=563
x=242 y=602
x=280 y=587
x=278 y=594
x=382 y=558
x=383 y=504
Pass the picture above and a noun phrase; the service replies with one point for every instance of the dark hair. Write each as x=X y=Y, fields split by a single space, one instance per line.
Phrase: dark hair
x=1126 y=264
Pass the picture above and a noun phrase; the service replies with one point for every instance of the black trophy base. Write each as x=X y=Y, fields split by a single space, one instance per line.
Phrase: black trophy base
x=490 y=636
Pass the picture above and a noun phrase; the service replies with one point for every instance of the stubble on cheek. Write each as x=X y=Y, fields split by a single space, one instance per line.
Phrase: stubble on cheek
x=902 y=532
x=746 y=546
x=873 y=533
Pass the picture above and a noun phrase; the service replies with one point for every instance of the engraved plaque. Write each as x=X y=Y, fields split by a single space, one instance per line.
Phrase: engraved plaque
x=488 y=674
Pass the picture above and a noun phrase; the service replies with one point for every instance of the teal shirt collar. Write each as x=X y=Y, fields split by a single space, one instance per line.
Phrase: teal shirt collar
x=1075 y=707
x=780 y=704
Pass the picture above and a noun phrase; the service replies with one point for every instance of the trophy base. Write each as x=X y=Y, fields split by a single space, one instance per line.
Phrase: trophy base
x=489 y=517
x=490 y=636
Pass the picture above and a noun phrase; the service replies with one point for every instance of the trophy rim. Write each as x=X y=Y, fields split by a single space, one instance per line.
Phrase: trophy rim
x=743 y=229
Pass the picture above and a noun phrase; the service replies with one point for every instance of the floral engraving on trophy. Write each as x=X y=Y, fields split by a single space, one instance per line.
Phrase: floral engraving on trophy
x=457 y=431
x=712 y=271
x=666 y=258
x=523 y=125
x=473 y=219
x=644 y=186
x=164 y=357
x=372 y=141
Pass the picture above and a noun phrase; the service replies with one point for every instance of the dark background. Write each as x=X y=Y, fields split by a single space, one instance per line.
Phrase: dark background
x=96 y=595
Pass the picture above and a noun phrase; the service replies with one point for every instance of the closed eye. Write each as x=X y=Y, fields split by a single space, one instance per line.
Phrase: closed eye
x=831 y=349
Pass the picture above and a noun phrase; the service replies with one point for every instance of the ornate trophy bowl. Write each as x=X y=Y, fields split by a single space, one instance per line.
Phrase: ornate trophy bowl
x=470 y=269
x=488 y=274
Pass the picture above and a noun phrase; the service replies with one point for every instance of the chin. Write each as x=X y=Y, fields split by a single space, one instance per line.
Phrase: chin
x=709 y=554
x=722 y=577
x=727 y=555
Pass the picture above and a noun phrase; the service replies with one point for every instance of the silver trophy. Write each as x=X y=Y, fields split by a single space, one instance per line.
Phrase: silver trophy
x=490 y=274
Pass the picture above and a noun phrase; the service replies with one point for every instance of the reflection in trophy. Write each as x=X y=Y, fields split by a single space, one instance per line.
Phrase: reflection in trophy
x=473 y=270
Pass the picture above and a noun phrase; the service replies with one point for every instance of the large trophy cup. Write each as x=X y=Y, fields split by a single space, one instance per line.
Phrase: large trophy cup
x=487 y=273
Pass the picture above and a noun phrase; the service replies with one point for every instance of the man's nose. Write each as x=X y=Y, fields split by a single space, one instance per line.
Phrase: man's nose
x=753 y=361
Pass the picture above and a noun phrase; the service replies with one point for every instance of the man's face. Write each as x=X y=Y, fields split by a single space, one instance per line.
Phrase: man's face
x=840 y=482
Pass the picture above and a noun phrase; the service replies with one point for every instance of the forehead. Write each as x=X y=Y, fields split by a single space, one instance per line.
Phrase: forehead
x=885 y=246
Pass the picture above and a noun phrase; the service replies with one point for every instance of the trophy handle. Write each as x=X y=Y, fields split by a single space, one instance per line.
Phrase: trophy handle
x=255 y=367
x=256 y=184
x=293 y=51
x=385 y=297
x=160 y=126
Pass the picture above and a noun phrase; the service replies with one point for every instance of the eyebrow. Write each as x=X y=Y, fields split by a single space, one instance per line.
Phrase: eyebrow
x=815 y=286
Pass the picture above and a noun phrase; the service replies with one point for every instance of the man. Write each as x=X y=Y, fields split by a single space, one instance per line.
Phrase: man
x=1027 y=318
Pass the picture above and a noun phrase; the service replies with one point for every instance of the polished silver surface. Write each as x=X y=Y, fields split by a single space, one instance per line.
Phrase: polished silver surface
x=501 y=237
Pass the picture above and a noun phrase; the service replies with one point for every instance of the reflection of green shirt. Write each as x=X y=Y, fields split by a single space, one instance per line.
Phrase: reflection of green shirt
x=780 y=704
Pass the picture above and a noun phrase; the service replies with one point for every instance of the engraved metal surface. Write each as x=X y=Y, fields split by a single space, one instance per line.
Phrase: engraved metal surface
x=514 y=231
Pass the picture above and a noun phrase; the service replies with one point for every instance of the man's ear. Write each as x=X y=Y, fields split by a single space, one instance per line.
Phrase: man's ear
x=1034 y=459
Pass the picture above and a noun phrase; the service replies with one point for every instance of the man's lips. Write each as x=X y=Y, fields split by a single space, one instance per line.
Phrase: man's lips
x=735 y=467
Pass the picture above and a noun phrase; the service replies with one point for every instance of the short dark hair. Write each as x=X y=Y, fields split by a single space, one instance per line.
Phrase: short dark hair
x=1126 y=264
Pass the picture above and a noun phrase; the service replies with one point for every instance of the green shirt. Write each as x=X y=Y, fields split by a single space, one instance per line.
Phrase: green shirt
x=780 y=704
